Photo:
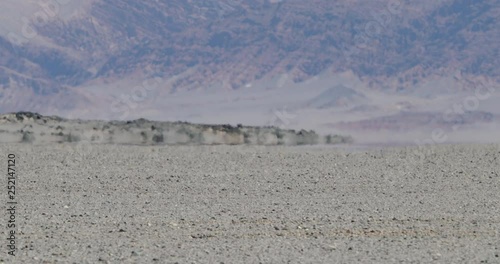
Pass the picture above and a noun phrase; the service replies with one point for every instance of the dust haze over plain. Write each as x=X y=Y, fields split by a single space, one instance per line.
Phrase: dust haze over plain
x=381 y=71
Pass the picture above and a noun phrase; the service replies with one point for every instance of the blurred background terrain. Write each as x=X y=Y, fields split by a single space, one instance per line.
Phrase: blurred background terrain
x=383 y=71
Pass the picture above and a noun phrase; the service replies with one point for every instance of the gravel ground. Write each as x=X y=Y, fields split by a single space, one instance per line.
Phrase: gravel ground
x=192 y=204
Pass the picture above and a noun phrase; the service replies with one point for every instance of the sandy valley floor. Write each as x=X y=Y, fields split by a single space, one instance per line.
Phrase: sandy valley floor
x=192 y=204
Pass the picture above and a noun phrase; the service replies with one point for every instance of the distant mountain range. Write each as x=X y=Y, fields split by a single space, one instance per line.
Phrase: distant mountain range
x=57 y=57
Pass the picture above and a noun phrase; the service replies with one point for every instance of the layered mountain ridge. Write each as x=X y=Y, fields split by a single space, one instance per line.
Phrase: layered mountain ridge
x=238 y=42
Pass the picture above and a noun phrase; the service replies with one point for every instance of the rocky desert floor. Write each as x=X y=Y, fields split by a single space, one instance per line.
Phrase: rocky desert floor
x=242 y=204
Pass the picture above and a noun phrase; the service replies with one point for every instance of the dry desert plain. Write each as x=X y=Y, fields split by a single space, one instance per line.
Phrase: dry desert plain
x=244 y=204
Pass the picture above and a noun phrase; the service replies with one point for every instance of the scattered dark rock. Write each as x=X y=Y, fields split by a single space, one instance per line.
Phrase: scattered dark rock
x=22 y=115
x=158 y=138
